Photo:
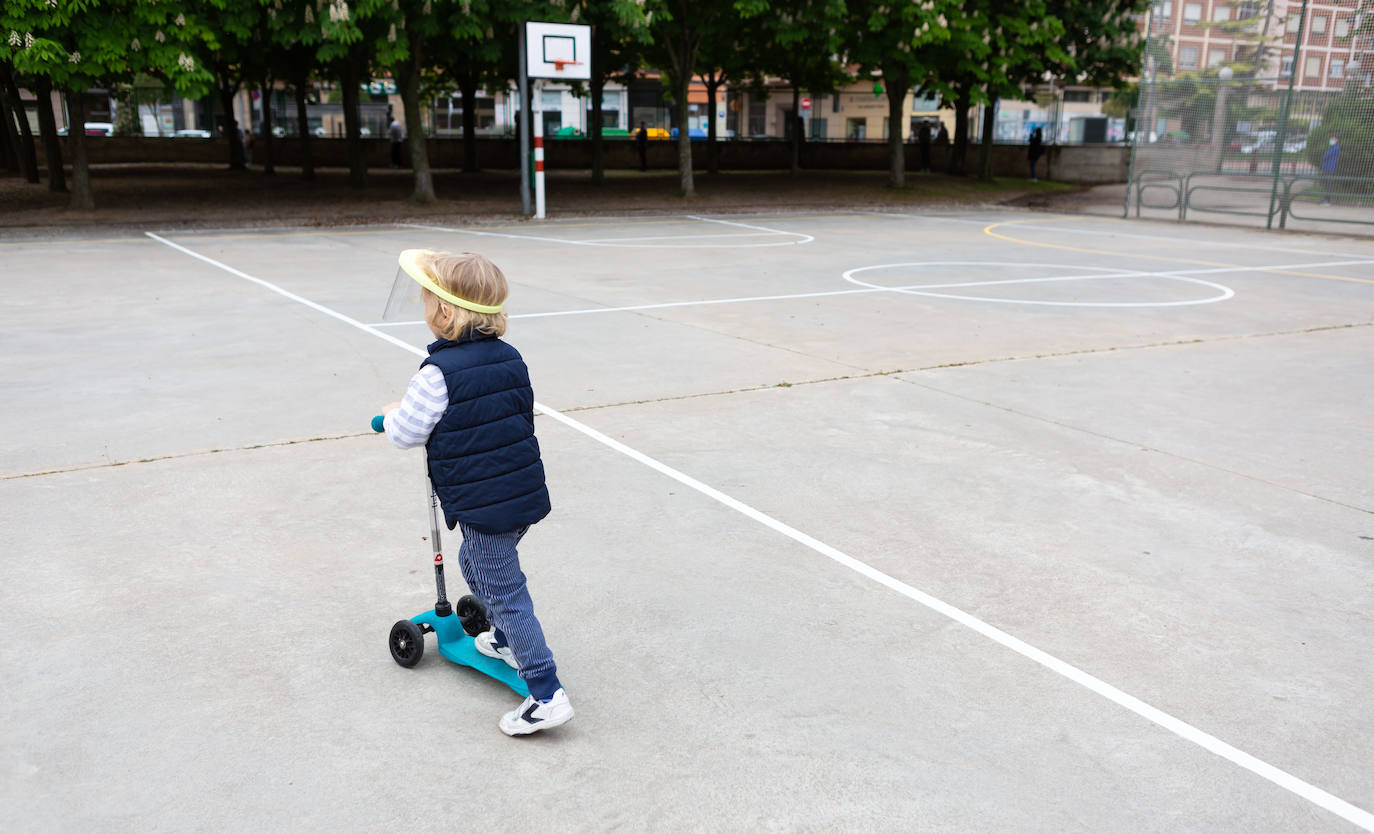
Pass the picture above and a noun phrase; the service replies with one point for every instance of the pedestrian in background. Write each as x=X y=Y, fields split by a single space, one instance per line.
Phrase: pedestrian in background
x=642 y=145
x=398 y=136
x=1331 y=158
x=1035 y=150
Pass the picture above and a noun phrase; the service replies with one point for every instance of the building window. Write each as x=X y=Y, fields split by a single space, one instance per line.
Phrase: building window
x=1079 y=96
x=1337 y=69
x=1319 y=24
x=1192 y=12
x=1216 y=57
x=1286 y=67
x=1314 y=67
x=1164 y=10
x=1343 y=28
x=1247 y=10
x=1294 y=18
x=758 y=116
x=1220 y=13
x=1187 y=57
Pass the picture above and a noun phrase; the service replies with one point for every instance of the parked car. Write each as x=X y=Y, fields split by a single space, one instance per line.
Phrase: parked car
x=192 y=133
x=92 y=129
x=1261 y=141
x=696 y=134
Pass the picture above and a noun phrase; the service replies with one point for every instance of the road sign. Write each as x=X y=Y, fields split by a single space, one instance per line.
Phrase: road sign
x=806 y=103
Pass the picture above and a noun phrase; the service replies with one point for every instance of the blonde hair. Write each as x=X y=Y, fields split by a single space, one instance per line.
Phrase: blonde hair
x=473 y=278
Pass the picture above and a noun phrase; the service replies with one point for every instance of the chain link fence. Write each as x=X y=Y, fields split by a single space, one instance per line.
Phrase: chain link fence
x=1278 y=149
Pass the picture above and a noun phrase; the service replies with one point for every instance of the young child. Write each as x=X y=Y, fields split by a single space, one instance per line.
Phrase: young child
x=472 y=406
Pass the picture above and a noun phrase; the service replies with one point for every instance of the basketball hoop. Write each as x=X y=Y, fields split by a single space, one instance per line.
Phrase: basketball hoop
x=559 y=65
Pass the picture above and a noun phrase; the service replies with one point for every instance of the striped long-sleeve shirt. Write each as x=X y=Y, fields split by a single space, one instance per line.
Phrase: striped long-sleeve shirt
x=425 y=401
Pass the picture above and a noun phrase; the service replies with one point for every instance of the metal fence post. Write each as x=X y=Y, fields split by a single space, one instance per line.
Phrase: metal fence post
x=1281 y=136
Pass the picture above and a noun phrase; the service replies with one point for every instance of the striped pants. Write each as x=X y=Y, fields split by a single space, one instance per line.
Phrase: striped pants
x=491 y=567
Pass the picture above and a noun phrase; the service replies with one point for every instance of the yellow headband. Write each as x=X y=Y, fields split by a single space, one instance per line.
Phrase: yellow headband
x=410 y=262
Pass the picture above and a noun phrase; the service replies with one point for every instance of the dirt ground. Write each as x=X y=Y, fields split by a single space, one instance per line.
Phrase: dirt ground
x=207 y=196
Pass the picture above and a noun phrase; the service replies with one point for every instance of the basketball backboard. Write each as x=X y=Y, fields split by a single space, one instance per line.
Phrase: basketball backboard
x=558 y=50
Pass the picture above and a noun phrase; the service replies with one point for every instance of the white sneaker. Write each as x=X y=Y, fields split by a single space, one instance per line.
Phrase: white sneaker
x=486 y=644
x=533 y=716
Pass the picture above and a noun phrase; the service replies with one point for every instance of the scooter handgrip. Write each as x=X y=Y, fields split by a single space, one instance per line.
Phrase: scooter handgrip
x=378 y=423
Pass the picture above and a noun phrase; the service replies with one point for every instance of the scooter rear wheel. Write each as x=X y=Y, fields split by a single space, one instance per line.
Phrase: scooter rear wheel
x=472 y=614
x=407 y=643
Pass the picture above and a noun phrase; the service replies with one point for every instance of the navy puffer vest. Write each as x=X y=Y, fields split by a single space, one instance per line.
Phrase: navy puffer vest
x=483 y=455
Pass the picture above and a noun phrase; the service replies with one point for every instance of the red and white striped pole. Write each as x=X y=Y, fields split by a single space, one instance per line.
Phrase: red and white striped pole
x=538 y=177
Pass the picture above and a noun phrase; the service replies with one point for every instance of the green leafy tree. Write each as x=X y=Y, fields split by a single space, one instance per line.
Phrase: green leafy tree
x=80 y=44
x=233 y=56
x=349 y=40
x=620 y=32
x=798 y=40
x=1350 y=118
x=900 y=40
x=294 y=35
x=736 y=61
x=1020 y=45
x=679 y=28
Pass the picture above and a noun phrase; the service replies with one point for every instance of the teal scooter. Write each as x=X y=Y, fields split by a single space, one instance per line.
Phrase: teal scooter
x=453 y=626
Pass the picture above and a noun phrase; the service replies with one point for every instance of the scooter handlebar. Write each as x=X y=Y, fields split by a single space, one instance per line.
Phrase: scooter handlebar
x=378 y=424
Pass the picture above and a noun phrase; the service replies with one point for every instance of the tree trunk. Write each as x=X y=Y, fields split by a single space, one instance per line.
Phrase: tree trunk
x=227 y=89
x=415 y=130
x=468 y=86
x=594 y=130
x=897 y=87
x=27 y=153
x=349 y=77
x=82 y=198
x=47 y=127
x=796 y=120
x=303 y=124
x=9 y=138
x=682 y=83
x=267 y=167
x=985 y=152
x=959 y=150
x=713 y=84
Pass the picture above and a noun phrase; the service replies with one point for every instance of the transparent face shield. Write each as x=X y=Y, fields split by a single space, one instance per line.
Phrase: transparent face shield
x=406 y=303
x=407 y=300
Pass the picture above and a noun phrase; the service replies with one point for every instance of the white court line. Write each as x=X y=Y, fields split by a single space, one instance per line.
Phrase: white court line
x=803 y=238
x=867 y=289
x=911 y=289
x=674 y=237
x=1182 y=729
x=1226 y=292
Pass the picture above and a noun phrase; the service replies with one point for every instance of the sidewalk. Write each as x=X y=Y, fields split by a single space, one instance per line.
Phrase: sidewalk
x=139 y=197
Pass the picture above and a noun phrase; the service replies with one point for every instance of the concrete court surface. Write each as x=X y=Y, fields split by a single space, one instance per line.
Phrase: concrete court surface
x=1022 y=523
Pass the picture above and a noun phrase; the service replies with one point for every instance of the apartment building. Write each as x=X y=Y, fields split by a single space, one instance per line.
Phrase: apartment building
x=1206 y=34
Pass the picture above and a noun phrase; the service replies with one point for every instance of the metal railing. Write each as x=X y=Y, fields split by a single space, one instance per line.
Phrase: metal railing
x=1323 y=182
x=1293 y=193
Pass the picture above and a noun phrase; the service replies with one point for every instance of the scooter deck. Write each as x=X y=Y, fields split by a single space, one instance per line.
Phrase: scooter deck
x=456 y=646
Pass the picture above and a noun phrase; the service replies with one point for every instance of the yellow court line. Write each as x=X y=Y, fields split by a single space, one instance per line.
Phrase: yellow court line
x=988 y=230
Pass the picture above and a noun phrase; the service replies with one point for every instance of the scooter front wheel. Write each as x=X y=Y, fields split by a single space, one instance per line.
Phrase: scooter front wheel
x=407 y=643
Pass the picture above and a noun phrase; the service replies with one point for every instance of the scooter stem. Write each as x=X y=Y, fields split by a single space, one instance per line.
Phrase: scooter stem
x=442 y=608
